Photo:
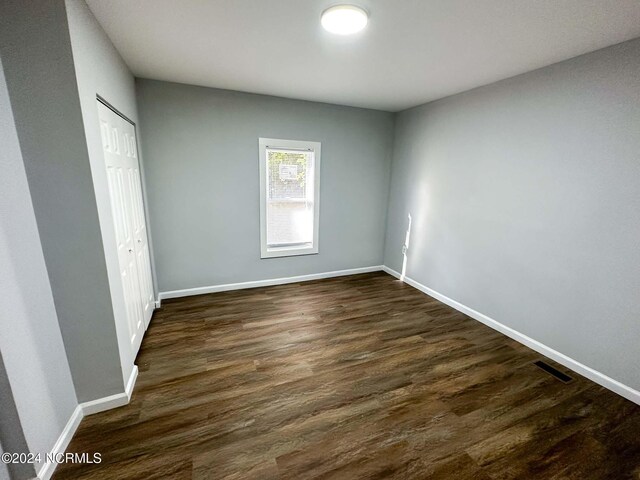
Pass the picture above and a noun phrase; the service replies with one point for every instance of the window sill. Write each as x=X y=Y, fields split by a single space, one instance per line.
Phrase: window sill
x=274 y=252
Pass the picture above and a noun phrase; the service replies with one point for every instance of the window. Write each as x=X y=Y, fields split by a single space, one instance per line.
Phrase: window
x=289 y=197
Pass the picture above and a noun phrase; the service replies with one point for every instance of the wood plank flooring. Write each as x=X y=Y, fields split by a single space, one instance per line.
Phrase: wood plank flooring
x=350 y=378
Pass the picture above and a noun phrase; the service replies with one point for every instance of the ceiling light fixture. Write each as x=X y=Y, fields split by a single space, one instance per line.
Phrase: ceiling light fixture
x=344 y=19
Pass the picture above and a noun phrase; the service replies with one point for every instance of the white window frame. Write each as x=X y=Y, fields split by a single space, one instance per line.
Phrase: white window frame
x=274 y=144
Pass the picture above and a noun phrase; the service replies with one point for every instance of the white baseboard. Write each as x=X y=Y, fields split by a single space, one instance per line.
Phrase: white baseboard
x=112 y=401
x=158 y=302
x=47 y=468
x=265 y=283
x=117 y=400
x=82 y=410
x=594 y=375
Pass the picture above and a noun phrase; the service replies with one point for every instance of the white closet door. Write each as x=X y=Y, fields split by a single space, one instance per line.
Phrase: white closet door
x=139 y=223
x=123 y=176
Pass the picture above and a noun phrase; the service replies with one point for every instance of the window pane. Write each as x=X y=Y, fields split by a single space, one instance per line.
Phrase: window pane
x=289 y=197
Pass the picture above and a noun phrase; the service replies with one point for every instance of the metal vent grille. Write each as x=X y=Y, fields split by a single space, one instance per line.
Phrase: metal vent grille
x=563 y=377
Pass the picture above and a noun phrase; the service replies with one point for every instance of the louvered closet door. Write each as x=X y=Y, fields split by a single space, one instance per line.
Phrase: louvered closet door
x=123 y=176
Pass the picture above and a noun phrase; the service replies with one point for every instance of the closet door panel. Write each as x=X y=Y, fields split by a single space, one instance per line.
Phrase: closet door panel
x=139 y=223
x=123 y=182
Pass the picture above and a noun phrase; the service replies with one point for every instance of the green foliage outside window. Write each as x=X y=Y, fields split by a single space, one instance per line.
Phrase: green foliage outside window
x=282 y=187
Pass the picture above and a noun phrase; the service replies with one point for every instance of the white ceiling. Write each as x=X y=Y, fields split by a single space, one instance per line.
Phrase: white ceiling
x=412 y=51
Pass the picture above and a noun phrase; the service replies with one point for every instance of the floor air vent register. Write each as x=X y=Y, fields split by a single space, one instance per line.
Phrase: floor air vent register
x=563 y=377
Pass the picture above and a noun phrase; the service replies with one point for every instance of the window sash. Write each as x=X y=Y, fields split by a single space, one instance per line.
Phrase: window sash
x=311 y=197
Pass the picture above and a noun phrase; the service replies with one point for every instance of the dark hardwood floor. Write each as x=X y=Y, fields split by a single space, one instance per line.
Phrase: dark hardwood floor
x=349 y=378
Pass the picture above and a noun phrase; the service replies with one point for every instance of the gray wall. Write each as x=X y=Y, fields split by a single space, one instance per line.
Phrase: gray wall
x=12 y=439
x=201 y=151
x=37 y=58
x=4 y=470
x=525 y=198
x=41 y=396
x=101 y=71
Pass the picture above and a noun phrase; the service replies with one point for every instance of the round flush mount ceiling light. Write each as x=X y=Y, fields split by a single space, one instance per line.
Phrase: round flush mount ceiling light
x=344 y=19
